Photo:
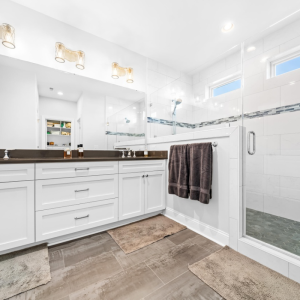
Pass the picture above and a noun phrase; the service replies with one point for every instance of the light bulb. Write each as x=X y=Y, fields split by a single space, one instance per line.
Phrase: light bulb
x=80 y=60
x=8 y=36
x=129 y=75
x=60 y=52
x=115 y=74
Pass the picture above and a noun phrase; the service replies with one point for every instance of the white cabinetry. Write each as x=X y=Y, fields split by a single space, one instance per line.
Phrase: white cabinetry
x=141 y=192
x=64 y=198
x=154 y=191
x=16 y=214
x=131 y=195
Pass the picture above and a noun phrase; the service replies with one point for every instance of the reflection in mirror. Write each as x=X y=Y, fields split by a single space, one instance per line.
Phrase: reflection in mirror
x=43 y=108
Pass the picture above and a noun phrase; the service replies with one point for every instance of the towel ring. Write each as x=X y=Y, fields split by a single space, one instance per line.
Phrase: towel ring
x=214 y=144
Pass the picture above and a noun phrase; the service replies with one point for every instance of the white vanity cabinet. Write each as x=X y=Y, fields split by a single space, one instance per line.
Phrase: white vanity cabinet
x=50 y=202
x=16 y=205
x=141 y=192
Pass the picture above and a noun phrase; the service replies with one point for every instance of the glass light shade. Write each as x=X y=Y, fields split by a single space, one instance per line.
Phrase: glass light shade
x=115 y=67
x=60 y=52
x=129 y=75
x=80 y=60
x=8 y=36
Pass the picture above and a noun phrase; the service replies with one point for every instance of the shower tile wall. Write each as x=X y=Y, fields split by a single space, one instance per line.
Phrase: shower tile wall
x=272 y=175
x=164 y=81
x=222 y=106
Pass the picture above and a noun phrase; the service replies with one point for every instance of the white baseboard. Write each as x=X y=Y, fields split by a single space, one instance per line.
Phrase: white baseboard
x=208 y=231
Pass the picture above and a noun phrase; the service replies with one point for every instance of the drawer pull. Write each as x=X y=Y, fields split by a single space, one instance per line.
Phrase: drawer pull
x=76 y=218
x=81 y=169
x=76 y=191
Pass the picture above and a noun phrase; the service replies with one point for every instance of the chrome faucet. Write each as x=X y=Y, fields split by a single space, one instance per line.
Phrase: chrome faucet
x=6 y=154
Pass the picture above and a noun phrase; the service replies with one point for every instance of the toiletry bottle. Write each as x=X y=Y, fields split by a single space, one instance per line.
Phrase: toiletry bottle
x=80 y=151
x=67 y=153
x=145 y=152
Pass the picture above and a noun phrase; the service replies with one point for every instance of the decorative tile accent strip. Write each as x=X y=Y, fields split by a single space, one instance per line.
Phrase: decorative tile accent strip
x=252 y=115
x=273 y=111
x=125 y=134
x=218 y=121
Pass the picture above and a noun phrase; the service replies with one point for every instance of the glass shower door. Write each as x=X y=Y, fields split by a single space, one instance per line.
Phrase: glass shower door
x=271 y=139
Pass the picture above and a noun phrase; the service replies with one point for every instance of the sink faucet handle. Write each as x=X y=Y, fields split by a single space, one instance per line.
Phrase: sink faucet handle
x=129 y=153
x=134 y=153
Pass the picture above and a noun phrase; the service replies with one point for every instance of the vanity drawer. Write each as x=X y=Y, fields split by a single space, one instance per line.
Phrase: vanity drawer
x=53 y=193
x=75 y=169
x=56 y=222
x=141 y=166
x=16 y=172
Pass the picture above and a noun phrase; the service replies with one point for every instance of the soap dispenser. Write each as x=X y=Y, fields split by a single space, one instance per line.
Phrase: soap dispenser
x=80 y=151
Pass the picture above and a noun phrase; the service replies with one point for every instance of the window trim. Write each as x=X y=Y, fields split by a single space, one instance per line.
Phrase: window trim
x=218 y=83
x=281 y=58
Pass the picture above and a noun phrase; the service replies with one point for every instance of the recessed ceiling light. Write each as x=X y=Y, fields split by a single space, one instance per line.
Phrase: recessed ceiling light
x=227 y=27
x=252 y=48
x=60 y=93
x=134 y=108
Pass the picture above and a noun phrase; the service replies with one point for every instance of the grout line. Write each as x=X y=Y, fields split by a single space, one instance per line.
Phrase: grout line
x=117 y=260
x=154 y=273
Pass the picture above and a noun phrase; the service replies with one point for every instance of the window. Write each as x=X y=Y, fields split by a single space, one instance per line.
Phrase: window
x=287 y=66
x=283 y=62
x=226 y=88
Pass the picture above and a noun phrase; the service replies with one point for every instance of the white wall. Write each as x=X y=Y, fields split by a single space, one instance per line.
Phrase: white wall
x=36 y=35
x=58 y=109
x=18 y=109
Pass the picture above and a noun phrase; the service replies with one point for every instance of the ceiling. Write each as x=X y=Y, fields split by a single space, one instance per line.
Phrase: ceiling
x=183 y=34
x=71 y=85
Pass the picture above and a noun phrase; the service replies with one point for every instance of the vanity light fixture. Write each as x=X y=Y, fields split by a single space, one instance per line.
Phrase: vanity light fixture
x=227 y=27
x=60 y=93
x=62 y=54
x=7 y=34
x=118 y=71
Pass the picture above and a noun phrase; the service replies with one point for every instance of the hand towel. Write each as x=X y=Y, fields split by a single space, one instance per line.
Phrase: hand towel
x=178 y=171
x=200 y=160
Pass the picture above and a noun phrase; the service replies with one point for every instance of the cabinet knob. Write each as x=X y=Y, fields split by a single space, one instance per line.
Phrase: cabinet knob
x=147 y=175
x=143 y=176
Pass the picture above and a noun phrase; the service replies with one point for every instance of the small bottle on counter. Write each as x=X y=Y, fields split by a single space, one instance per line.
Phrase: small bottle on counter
x=67 y=153
x=146 y=152
x=80 y=151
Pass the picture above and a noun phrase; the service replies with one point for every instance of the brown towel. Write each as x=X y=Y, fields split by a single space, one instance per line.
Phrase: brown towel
x=178 y=171
x=200 y=159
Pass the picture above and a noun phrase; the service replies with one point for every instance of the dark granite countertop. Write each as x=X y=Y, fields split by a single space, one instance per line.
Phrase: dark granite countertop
x=53 y=156
x=76 y=159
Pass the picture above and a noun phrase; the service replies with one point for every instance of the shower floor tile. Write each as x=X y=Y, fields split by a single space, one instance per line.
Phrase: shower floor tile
x=277 y=231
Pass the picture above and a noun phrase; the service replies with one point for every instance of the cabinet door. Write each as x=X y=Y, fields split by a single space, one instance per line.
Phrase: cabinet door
x=131 y=195
x=154 y=191
x=16 y=214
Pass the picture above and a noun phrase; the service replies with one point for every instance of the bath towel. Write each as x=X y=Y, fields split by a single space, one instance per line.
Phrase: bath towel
x=200 y=160
x=178 y=171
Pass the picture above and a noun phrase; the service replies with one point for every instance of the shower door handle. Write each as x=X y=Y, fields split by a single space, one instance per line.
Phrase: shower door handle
x=254 y=142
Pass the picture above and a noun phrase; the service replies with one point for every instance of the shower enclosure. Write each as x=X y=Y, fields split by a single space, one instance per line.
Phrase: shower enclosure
x=271 y=120
x=263 y=74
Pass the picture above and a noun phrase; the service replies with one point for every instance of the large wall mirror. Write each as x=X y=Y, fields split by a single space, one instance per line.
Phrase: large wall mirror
x=43 y=108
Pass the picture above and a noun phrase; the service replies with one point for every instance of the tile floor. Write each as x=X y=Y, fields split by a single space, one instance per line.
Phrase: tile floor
x=277 y=231
x=95 y=268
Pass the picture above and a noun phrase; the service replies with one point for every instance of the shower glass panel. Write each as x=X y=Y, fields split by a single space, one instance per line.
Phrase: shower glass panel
x=189 y=103
x=271 y=143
